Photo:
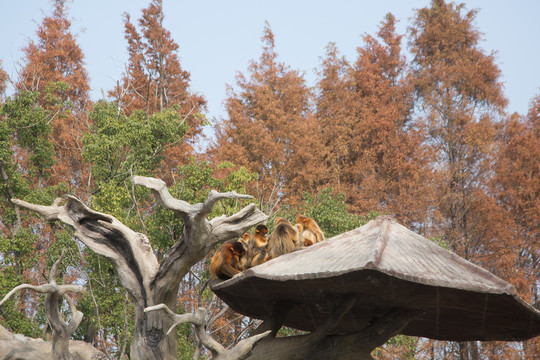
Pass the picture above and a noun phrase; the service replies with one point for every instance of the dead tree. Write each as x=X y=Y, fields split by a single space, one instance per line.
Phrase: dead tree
x=146 y=280
x=198 y=319
x=54 y=293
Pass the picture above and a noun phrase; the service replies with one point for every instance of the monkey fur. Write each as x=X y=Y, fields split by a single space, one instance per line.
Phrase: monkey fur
x=260 y=236
x=311 y=232
x=256 y=247
x=284 y=239
x=226 y=262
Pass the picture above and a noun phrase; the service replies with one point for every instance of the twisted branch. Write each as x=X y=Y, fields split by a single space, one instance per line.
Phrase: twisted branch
x=128 y=251
x=242 y=349
x=54 y=293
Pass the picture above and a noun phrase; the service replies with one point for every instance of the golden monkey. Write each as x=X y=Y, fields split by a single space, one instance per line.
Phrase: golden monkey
x=284 y=239
x=226 y=262
x=256 y=250
x=300 y=229
x=260 y=236
x=245 y=240
x=311 y=233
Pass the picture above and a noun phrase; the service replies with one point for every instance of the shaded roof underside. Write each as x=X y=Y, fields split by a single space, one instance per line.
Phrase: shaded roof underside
x=388 y=267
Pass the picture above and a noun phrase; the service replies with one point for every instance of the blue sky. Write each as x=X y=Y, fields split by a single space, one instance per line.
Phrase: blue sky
x=217 y=39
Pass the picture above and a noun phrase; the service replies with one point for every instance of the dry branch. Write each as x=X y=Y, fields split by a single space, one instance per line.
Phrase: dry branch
x=147 y=281
x=200 y=235
x=62 y=331
x=198 y=320
x=128 y=251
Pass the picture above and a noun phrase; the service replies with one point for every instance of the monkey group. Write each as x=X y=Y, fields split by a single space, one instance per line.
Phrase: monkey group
x=235 y=256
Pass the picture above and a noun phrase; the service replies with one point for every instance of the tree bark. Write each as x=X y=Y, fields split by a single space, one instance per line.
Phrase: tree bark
x=54 y=293
x=148 y=282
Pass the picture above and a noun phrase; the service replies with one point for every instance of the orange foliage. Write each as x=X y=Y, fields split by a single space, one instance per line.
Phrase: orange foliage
x=517 y=185
x=155 y=80
x=269 y=127
x=56 y=57
x=371 y=151
x=3 y=79
x=459 y=89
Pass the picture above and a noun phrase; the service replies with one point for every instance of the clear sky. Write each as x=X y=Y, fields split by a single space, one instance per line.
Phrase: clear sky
x=218 y=38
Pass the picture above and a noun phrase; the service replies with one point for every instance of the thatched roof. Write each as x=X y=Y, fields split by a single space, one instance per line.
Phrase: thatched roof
x=388 y=267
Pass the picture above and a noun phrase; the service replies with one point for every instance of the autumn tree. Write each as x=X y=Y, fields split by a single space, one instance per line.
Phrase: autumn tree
x=460 y=97
x=40 y=144
x=517 y=187
x=56 y=58
x=3 y=80
x=154 y=79
x=269 y=127
x=371 y=149
x=334 y=101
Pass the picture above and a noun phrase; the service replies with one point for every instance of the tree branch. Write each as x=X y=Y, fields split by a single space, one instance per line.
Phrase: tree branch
x=162 y=195
x=198 y=320
x=129 y=251
x=215 y=196
x=232 y=227
x=54 y=293
x=42 y=289
x=200 y=235
x=357 y=346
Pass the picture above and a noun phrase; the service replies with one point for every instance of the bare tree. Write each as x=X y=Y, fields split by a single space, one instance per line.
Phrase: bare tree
x=62 y=330
x=145 y=279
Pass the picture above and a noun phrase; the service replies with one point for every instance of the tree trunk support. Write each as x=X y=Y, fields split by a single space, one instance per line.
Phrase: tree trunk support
x=274 y=321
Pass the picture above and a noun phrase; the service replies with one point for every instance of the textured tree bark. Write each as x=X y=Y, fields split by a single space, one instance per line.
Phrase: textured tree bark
x=62 y=331
x=23 y=348
x=148 y=282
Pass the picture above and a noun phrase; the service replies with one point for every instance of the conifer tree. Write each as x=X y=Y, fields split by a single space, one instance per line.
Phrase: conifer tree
x=154 y=79
x=270 y=129
x=517 y=185
x=460 y=95
x=54 y=68
x=370 y=147
x=334 y=103
x=458 y=88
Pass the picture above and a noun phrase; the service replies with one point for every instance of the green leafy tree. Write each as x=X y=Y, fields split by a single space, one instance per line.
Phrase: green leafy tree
x=26 y=158
x=120 y=146
x=155 y=80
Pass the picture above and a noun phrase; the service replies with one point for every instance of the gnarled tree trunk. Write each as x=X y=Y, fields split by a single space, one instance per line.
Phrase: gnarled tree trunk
x=147 y=281
x=21 y=347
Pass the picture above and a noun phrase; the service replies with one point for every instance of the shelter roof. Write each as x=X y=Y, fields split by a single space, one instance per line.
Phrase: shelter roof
x=387 y=267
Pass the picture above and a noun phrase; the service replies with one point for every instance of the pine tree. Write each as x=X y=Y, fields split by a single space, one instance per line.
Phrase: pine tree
x=54 y=68
x=460 y=95
x=270 y=129
x=155 y=79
